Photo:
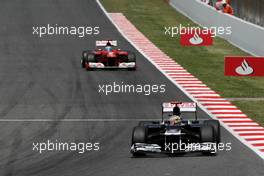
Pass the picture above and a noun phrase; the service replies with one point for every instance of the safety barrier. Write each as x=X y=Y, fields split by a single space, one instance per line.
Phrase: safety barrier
x=247 y=36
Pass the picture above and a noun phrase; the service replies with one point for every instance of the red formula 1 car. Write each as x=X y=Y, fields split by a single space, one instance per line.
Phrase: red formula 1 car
x=104 y=56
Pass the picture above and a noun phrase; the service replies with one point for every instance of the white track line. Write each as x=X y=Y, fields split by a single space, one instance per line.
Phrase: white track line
x=75 y=120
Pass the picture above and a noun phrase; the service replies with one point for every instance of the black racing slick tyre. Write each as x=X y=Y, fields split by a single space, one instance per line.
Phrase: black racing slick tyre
x=139 y=135
x=91 y=58
x=87 y=56
x=206 y=133
x=83 y=63
x=216 y=128
x=131 y=57
x=84 y=59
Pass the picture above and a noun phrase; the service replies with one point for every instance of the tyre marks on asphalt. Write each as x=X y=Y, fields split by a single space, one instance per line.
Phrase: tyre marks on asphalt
x=14 y=152
x=239 y=124
x=18 y=94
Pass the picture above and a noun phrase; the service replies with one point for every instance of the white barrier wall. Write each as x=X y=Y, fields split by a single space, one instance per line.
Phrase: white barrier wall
x=247 y=36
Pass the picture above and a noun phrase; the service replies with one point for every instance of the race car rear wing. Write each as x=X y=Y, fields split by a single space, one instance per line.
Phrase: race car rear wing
x=184 y=106
x=104 y=42
x=167 y=107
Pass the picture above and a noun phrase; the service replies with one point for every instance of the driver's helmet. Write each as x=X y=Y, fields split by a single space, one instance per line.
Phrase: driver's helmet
x=174 y=120
x=176 y=111
x=108 y=48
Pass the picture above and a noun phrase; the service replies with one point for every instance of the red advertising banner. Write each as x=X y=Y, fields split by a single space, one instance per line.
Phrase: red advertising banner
x=244 y=66
x=196 y=37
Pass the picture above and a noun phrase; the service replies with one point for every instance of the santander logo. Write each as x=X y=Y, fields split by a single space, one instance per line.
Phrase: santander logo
x=244 y=68
x=196 y=39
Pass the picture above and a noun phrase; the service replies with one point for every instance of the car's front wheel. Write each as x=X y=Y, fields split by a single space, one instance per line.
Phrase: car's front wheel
x=139 y=135
x=84 y=59
x=131 y=57
x=216 y=128
x=83 y=63
x=207 y=135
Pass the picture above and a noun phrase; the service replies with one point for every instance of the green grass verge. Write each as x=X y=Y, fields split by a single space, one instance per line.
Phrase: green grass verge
x=254 y=109
x=206 y=63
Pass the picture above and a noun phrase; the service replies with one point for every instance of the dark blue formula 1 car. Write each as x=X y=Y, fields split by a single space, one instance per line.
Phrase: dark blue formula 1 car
x=173 y=134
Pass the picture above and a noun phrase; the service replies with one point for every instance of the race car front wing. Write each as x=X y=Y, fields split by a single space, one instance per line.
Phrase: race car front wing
x=120 y=65
x=192 y=147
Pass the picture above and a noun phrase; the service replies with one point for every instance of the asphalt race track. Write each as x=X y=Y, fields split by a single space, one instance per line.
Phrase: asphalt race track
x=41 y=78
